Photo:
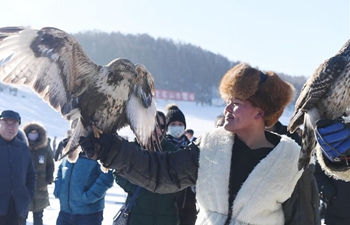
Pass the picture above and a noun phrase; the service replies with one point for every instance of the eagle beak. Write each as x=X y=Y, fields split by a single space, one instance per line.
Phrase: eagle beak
x=146 y=98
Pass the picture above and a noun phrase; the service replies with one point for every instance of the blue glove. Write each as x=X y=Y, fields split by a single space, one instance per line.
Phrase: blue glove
x=333 y=136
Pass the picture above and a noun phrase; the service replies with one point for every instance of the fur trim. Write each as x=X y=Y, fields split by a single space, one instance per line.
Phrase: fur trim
x=260 y=199
x=41 y=142
x=271 y=95
x=338 y=171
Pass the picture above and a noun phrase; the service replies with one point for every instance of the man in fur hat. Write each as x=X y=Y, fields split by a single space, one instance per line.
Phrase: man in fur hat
x=243 y=174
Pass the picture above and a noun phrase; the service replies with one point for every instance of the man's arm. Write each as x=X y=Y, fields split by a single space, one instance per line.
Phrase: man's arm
x=158 y=172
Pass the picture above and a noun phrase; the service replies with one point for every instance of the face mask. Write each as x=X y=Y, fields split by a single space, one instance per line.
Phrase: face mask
x=33 y=136
x=176 y=131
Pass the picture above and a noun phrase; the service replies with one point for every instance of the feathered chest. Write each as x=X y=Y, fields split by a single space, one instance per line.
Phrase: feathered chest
x=105 y=105
x=337 y=98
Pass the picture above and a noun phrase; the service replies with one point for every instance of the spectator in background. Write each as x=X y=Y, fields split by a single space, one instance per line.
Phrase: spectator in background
x=175 y=126
x=49 y=146
x=175 y=132
x=54 y=145
x=189 y=134
x=81 y=188
x=15 y=162
x=61 y=145
x=44 y=166
x=152 y=208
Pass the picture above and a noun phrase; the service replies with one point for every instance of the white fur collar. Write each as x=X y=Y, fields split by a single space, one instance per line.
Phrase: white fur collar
x=260 y=199
x=338 y=175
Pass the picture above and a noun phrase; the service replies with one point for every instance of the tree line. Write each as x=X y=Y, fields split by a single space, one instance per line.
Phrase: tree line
x=174 y=65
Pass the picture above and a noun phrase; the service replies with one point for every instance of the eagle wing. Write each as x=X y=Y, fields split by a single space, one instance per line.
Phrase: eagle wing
x=50 y=61
x=141 y=108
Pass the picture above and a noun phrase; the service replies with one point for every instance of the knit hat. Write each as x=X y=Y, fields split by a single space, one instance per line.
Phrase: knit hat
x=173 y=113
x=266 y=91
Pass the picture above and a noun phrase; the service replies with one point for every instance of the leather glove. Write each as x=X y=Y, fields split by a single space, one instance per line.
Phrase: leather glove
x=96 y=148
x=333 y=138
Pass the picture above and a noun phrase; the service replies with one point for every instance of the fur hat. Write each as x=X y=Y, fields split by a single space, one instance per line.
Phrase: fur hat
x=41 y=142
x=173 y=113
x=266 y=91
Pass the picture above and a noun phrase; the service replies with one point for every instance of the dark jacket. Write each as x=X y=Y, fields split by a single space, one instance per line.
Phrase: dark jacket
x=180 y=171
x=44 y=166
x=303 y=205
x=81 y=186
x=17 y=177
x=279 y=128
x=151 y=208
x=336 y=195
x=186 y=199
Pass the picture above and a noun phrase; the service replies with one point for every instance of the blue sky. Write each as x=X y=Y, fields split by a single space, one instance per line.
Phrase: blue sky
x=293 y=37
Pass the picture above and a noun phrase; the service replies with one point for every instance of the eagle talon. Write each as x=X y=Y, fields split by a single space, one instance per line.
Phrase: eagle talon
x=96 y=131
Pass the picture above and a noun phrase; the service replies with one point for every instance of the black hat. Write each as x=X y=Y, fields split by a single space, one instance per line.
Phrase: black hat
x=9 y=114
x=174 y=114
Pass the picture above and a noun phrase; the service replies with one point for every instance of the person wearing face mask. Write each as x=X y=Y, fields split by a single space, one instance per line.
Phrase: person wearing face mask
x=175 y=132
x=44 y=165
x=175 y=126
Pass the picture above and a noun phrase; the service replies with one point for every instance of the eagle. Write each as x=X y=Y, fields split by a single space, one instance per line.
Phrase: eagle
x=325 y=95
x=94 y=98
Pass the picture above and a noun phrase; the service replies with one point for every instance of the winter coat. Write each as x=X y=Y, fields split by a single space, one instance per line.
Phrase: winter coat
x=186 y=199
x=151 y=208
x=81 y=186
x=44 y=166
x=17 y=177
x=265 y=197
x=336 y=195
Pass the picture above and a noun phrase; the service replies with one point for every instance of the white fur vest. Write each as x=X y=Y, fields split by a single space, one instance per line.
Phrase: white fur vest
x=259 y=201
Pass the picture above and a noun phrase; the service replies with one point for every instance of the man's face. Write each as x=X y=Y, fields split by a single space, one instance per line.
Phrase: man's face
x=8 y=129
x=240 y=116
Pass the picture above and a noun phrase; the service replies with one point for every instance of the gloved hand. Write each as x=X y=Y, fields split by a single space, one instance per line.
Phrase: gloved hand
x=96 y=148
x=333 y=137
